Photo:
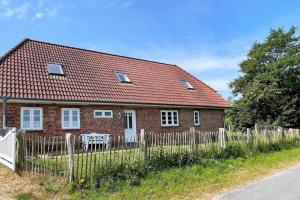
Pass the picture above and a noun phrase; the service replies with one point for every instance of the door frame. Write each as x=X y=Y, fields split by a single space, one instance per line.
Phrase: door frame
x=133 y=123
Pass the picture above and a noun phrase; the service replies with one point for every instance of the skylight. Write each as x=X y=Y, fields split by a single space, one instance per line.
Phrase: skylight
x=55 y=69
x=187 y=85
x=123 y=77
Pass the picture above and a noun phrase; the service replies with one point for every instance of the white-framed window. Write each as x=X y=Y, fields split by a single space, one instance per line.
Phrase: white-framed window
x=55 y=69
x=123 y=77
x=187 y=84
x=70 y=118
x=197 y=118
x=31 y=118
x=169 y=118
x=103 y=114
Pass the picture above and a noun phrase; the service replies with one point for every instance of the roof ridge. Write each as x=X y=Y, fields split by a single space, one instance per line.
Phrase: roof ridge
x=101 y=52
x=9 y=52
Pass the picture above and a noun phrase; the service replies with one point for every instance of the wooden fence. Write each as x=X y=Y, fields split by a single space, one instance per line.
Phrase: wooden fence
x=64 y=156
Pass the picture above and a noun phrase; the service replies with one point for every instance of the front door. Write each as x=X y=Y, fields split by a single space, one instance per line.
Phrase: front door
x=130 y=125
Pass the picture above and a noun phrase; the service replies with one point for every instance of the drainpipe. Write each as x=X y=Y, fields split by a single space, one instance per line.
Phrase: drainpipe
x=4 y=112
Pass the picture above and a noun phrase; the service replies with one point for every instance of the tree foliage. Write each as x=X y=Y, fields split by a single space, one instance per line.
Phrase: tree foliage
x=268 y=90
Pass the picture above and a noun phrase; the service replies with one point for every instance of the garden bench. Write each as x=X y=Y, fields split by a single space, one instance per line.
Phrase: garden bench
x=94 y=138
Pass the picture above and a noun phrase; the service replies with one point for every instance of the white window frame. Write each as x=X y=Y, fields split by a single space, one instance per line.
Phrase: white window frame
x=103 y=114
x=167 y=121
x=70 y=117
x=197 y=124
x=31 y=116
x=61 y=70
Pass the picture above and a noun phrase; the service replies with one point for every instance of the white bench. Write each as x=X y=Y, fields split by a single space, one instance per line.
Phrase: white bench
x=94 y=138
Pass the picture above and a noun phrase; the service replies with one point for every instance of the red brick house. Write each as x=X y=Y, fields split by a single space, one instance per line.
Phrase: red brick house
x=53 y=89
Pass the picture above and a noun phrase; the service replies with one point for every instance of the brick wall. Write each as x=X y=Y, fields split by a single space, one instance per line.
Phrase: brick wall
x=146 y=117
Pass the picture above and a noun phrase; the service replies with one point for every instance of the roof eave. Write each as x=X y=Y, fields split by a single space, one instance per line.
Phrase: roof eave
x=77 y=102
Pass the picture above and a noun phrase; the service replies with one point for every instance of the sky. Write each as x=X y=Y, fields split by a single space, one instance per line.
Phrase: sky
x=207 y=38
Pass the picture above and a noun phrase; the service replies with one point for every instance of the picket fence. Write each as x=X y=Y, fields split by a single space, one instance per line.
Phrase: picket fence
x=8 y=148
x=64 y=156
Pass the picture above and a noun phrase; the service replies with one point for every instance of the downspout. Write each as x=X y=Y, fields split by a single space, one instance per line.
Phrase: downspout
x=4 y=112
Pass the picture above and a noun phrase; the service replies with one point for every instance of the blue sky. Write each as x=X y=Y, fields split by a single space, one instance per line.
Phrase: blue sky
x=207 y=38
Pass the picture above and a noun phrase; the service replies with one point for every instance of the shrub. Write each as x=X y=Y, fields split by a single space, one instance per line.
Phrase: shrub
x=262 y=147
x=235 y=150
x=119 y=173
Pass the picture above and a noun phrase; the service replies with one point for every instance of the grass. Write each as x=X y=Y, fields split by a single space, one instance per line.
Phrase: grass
x=26 y=196
x=197 y=181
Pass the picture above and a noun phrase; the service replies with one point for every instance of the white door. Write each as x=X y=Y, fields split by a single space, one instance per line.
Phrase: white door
x=130 y=125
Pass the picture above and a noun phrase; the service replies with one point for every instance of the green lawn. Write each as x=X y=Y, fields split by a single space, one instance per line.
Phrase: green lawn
x=197 y=181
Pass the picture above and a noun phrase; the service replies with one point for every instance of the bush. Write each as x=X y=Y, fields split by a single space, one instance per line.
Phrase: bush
x=119 y=173
x=235 y=150
x=262 y=147
x=159 y=160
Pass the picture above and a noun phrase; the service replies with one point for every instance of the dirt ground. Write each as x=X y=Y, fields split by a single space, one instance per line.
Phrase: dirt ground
x=12 y=185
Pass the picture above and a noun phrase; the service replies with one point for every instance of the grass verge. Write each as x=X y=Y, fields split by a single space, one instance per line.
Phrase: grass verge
x=198 y=181
x=195 y=182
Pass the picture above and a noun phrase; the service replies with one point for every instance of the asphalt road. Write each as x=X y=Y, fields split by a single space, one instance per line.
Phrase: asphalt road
x=284 y=185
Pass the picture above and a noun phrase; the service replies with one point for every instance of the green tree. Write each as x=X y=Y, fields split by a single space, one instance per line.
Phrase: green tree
x=268 y=91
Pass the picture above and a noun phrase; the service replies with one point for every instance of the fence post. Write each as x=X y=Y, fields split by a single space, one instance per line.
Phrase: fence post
x=256 y=128
x=70 y=139
x=192 y=134
x=222 y=137
x=250 y=137
x=143 y=143
x=20 y=150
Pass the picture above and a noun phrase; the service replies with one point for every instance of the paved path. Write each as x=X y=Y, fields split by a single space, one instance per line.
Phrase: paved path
x=284 y=185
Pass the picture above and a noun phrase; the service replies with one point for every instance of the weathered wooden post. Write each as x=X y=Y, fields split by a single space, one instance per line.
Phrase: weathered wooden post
x=70 y=139
x=20 y=150
x=192 y=132
x=222 y=138
x=143 y=146
x=256 y=129
x=250 y=137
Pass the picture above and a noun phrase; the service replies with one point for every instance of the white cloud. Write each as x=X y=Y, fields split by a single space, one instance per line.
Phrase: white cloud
x=39 y=15
x=218 y=84
x=39 y=10
x=210 y=62
x=20 y=11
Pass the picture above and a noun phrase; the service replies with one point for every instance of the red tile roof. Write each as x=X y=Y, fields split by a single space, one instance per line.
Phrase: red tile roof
x=89 y=77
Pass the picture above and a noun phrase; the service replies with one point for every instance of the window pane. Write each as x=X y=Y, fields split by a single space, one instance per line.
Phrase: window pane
x=66 y=112
x=75 y=118
x=170 y=118
x=75 y=112
x=107 y=114
x=66 y=118
x=66 y=124
x=75 y=124
x=54 y=68
x=36 y=124
x=125 y=122
x=26 y=112
x=98 y=114
x=26 y=124
x=130 y=121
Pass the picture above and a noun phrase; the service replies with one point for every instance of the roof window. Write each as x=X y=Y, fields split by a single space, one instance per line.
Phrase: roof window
x=55 y=69
x=187 y=85
x=123 y=77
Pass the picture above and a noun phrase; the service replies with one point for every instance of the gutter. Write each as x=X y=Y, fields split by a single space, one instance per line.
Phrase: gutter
x=37 y=101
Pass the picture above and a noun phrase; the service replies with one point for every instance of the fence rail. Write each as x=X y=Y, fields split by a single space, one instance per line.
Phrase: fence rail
x=64 y=156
